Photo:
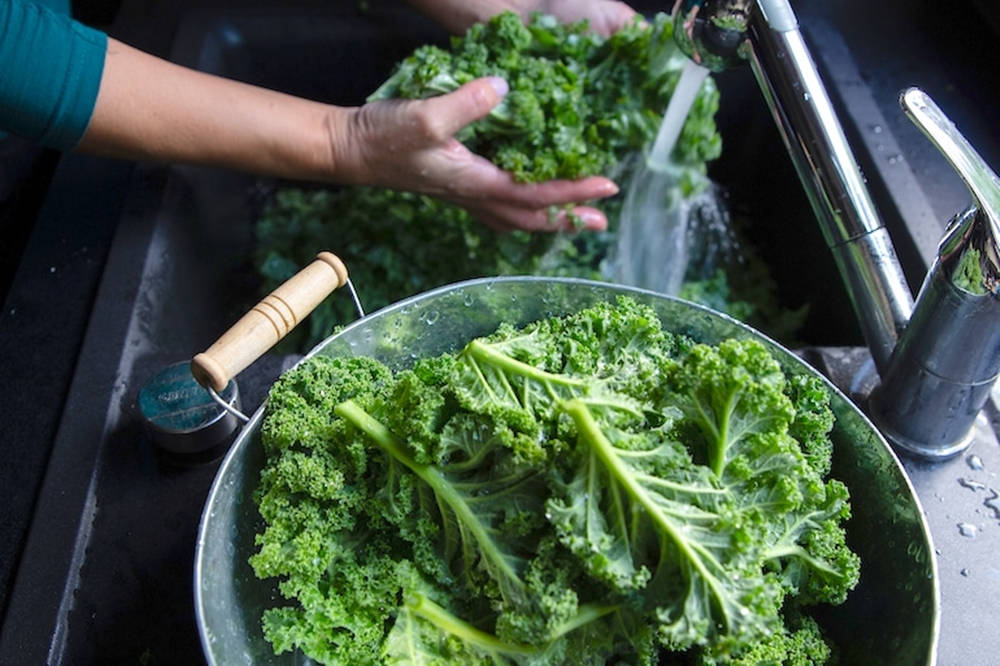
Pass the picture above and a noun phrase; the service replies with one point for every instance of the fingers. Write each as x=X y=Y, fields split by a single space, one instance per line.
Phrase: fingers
x=500 y=185
x=493 y=196
x=558 y=192
x=467 y=104
x=504 y=217
x=605 y=17
x=622 y=15
x=613 y=17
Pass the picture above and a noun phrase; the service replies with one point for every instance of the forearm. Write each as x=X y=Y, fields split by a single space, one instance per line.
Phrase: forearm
x=151 y=109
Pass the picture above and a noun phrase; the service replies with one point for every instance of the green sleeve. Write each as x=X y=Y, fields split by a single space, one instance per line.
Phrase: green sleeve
x=52 y=68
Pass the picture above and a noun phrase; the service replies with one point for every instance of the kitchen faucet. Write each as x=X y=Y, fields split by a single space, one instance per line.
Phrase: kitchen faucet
x=938 y=357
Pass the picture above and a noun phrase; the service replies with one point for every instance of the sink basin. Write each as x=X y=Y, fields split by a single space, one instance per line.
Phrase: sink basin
x=754 y=170
x=180 y=272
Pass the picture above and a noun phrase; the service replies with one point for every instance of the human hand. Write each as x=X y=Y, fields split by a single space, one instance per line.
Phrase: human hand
x=605 y=16
x=410 y=145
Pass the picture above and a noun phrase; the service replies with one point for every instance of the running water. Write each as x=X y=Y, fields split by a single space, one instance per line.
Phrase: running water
x=681 y=101
x=652 y=248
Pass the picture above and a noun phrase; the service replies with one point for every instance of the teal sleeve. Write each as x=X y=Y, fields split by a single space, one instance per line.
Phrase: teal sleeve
x=52 y=68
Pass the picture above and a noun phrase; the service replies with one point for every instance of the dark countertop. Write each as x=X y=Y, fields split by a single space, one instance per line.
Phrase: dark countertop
x=61 y=320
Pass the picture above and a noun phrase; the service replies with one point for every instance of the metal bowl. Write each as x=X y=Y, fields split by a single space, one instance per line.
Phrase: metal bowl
x=890 y=618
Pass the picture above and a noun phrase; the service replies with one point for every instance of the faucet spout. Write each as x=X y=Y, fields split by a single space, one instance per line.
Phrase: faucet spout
x=720 y=33
x=829 y=172
x=937 y=359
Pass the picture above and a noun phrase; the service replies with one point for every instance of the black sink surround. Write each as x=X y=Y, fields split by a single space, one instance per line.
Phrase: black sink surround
x=120 y=277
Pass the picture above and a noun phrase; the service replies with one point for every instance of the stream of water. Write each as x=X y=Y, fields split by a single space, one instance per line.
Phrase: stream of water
x=652 y=247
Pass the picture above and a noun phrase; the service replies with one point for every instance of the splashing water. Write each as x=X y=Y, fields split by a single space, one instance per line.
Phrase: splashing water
x=968 y=530
x=652 y=250
x=993 y=503
x=681 y=101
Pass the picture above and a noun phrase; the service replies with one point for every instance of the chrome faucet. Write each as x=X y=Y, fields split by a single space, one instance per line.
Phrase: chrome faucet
x=946 y=362
x=938 y=358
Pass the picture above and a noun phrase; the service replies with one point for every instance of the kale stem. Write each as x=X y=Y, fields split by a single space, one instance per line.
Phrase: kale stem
x=449 y=623
x=717 y=451
x=585 y=615
x=443 y=489
x=591 y=433
x=486 y=353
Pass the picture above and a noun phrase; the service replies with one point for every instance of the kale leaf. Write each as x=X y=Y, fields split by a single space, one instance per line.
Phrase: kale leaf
x=591 y=484
x=579 y=104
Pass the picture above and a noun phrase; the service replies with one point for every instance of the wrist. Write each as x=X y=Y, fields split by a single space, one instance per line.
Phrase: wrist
x=343 y=146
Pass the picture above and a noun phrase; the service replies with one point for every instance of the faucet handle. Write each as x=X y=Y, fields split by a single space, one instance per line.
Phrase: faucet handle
x=947 y=361
x=978 y=176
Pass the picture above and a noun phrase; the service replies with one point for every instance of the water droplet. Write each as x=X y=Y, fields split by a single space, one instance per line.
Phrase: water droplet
x=967 y=530
x=876 y=129
x=895 y=159
x=964 y=572
x=974 y=461
x=431 y=317
x=993 y=503
x=972 y=484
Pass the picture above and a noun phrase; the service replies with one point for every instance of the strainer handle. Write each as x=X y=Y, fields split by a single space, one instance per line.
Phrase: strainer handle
x=268 y=322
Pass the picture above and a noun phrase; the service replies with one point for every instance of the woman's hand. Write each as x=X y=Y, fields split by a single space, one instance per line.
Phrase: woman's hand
x=410 y=145
x=605 y=16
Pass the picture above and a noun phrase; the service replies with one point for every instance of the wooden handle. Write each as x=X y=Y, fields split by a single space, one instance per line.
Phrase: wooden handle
x=268 y=322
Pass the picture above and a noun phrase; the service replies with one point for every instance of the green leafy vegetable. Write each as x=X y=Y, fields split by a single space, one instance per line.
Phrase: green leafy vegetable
x=579 y=105
x=968 y=275
x=799 y=643
x=588 y=488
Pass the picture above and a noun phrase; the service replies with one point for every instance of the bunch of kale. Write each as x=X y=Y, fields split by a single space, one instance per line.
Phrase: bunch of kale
x=579 y=104
x=587 y=489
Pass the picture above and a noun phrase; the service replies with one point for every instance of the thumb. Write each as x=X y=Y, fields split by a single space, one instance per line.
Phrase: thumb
x=469 y=103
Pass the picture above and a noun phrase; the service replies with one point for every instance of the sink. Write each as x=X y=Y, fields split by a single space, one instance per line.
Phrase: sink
x=180 y=272
x=220 y=207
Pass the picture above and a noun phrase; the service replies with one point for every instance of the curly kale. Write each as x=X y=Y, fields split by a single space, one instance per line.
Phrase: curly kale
x=579 y=105
x=587 y=488
x=800 y=643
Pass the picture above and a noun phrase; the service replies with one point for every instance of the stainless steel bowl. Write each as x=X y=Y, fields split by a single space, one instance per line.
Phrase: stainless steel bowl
x=890 y=618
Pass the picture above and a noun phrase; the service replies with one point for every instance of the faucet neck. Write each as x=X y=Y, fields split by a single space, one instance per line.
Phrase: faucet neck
x=832 y=179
